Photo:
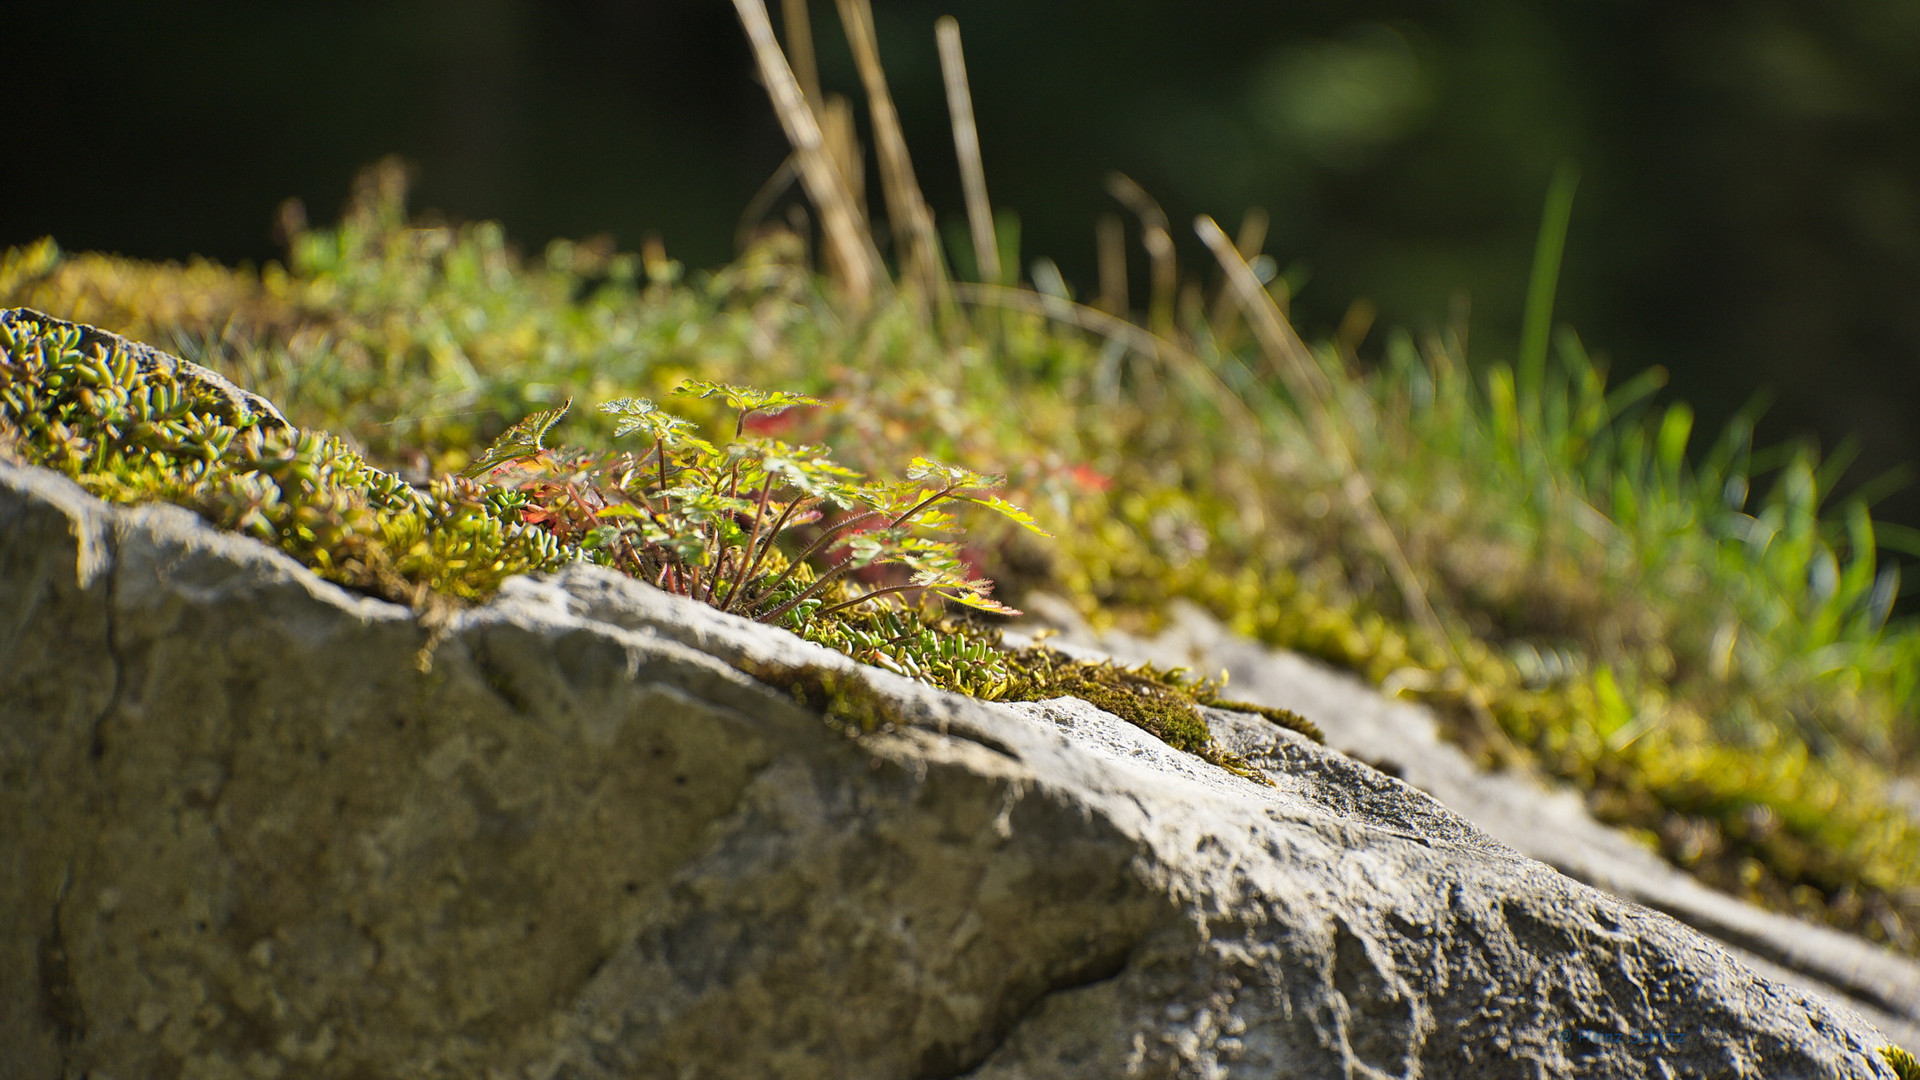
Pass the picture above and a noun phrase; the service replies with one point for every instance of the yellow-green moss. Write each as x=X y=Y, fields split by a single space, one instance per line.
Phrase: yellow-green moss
x=842 y=697
x=130 y=433
x=1285 y=718
x=1161 y=703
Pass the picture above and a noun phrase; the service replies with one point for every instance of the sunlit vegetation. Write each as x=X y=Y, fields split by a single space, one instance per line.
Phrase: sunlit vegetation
x=1682 y=625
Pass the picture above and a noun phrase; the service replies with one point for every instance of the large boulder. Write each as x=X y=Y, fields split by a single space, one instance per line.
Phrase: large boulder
x=1542 y=821
x=256 y=826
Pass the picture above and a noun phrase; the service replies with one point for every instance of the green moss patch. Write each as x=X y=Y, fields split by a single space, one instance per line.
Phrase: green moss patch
x=843 y=697
x=83 y=404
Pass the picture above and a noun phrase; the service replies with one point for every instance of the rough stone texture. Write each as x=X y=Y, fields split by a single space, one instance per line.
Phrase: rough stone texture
x=1545 y=823
x=246 y=835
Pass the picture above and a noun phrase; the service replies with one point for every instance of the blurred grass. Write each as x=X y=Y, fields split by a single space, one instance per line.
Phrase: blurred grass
x=1701 y=644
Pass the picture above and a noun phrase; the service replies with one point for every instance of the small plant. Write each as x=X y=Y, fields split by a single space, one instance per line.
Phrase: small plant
x=1905 y=1065
x=709 y=522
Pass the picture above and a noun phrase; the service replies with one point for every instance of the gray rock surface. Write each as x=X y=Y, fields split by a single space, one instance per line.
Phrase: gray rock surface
x=246 y=834
x=1547 y=823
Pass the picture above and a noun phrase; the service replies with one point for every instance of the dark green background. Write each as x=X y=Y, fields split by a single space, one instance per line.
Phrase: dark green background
x=1748 y=215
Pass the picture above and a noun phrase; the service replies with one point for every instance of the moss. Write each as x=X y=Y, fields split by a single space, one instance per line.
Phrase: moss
x=131 y=428
x=1285 y=718
x=952 y=654
x=843 y=697
x=1904 y=1064
x=1161 y=703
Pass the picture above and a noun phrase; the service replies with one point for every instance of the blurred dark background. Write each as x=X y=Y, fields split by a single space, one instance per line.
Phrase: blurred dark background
x=1748 y=215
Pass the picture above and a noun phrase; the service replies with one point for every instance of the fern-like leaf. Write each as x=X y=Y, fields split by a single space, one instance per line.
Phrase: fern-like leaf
x=640 y=414
x=951 y=476
x=522 y=440
x=745 y=398
x=1007 y=509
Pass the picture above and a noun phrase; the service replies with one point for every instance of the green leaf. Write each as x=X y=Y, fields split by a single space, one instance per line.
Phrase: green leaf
x=811 y=472
x=640 y=414
x=950 y=475
x=983 y=603
x=1002 y=506
x=745 y=398
x=522 y=440
x=971 y=592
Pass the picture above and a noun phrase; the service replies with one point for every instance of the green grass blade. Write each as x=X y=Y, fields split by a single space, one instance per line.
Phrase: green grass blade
x=1537 y=326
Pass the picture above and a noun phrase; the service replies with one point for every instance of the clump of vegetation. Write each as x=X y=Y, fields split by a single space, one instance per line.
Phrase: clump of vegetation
x=842 y=697
x=1904 y=1064
x=954 y=654
x=1699 y=640
x=1160 y=702
x=695 y=519
x=707 y=522
x=129 y=434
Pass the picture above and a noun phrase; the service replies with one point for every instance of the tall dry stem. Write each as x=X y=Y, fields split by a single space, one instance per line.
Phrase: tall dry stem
x=1157 y=237
x=912 y=222
x=852 y=246
x=793 y=13
x=966 y=144
x=1253 y=237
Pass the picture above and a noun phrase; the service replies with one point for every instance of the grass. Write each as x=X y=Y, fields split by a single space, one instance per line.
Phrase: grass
x=1693 y=634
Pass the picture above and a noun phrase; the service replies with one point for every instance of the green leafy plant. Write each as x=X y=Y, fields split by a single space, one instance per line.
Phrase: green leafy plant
x=1904 y=1064
x=709 y=522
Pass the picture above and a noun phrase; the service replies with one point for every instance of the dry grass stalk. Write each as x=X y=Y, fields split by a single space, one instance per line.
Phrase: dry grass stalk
x=1110 y=240
x=966 y=143
x=1355 y=325
x=1138 y=339
x=1157 y=237
x=843 y=148
x=762 y=202
x=793 y=13
x=850 y=246
x=912 y=222
x=1253 y=236
x=1291 y=361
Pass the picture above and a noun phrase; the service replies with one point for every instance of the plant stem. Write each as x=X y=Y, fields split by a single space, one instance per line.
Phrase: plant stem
x=779 y=524
x=660 y=452
x=753 y=537
x=807 y=593
x=825 y=539
x=923 y=504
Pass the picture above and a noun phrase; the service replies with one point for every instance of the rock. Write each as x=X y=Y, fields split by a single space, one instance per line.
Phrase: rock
x=250 y=831
x=1545 y=823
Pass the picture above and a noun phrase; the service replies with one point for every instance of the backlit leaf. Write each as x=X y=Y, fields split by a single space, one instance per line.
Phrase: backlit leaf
x=522 y=440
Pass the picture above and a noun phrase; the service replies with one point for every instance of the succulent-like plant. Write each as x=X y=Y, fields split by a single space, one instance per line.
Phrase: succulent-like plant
x=130 y=432
x=709 y=522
